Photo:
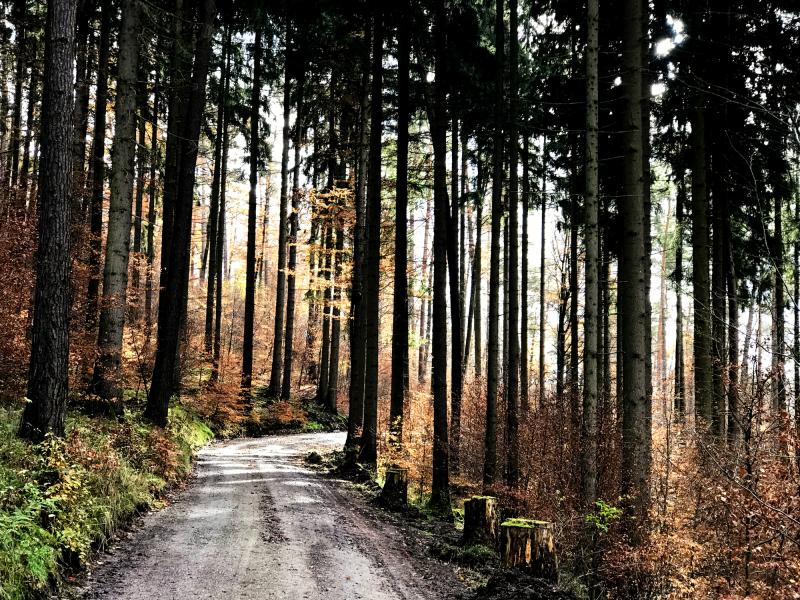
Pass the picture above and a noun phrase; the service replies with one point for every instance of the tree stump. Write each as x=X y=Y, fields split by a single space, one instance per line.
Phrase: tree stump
x=395 y=490
x=481 y=523
x=529 y=545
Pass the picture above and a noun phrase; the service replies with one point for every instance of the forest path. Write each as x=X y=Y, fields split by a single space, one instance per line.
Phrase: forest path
x=258 y=523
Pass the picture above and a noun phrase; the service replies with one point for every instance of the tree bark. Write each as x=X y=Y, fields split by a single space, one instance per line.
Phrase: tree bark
x=700 y=271
x=48 y=375
x=151 y=211
x=213 y=213
x=592 y=270
x=355 y=415
x=542 y=274
x=425 y=304
x=524 y=361
x=252 y=209
x=164 y=384
x=98 y=165
x=778 y=345
x=369 y=450
x=512 y=395
x=440 y=487
x=400 y=306
x=490 y=452
x=679 y=401
x=106 y=380
x=632 y=302
x=280 y=288
x=80 y=120
x=291 y=278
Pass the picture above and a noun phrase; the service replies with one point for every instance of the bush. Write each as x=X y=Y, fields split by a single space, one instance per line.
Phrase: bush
x=64 y=497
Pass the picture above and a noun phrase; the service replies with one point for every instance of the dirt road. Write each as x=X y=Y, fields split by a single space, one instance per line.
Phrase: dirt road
x=257 y=523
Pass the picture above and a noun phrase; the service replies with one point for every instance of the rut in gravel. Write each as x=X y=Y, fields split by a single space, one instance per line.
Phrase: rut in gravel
x=257 y=523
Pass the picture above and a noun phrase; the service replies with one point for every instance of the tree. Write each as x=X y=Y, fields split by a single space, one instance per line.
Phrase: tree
x=292 y=240
x=280 y=288
x=357 y=305
x=592 y=270
x=490 y=457
x=512 y=393
x=369 y=452
x=250 y=284
x=440 y=492
x=213 y=213
x=167 y=344
x=98 y=165
x=631 y=301
x=400 y=307
x=106 y=377
x=48 y=375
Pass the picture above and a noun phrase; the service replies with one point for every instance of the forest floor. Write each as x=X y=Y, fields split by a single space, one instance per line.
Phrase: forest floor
x=258 y=522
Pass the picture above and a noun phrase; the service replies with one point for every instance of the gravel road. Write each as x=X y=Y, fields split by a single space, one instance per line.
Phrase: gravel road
x=257 y=523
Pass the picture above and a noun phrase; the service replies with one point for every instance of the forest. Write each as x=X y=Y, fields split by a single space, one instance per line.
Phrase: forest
x=539 y=262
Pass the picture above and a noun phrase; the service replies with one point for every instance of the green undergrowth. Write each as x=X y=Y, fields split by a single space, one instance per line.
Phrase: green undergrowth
x=302 y=415
x=64 y=498
x=475 y=555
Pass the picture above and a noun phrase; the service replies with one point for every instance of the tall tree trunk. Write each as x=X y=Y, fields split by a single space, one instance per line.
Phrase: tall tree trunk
x=326 y=257
x=476 y=270
x=574 y=355
x=424 y=310
x=456 y=303
x=294 y=216
x=325 y=354
x=679 y=402
x=542 y=274
x=561 y=332
x=80 y=118
x=718 y=329
x=490 y=451
x=220 y=243
x=634 y=261
x=591 y=318
x=778 y=346
x=661 y=334
x=336 y=323
x=106 y=380
x=355 y=415
x=512 y=396
x=369 y=435
x=252 y=209
x=30 y=128
x=163 y=383
x=524 y=361
x=48 y=375
x=280 y=288
x=141 y=167
x=700 y=271
x=151 y=211
x=440 y=488
x=400 y=305
x=734 y=428
x=20 y=25
x=98 y=165
x=213 y=213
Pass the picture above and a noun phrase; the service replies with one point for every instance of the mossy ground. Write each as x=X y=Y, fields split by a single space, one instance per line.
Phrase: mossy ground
x=63 y=498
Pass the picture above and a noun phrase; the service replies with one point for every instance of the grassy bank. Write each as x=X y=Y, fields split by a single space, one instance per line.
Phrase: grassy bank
x=61 y=499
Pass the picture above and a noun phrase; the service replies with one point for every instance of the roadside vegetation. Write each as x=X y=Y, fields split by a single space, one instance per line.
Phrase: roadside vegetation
x=64 y=498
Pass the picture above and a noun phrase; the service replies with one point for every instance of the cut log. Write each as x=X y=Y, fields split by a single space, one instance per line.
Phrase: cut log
x=481 y=523
x=395 y=490
x=529 y=545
